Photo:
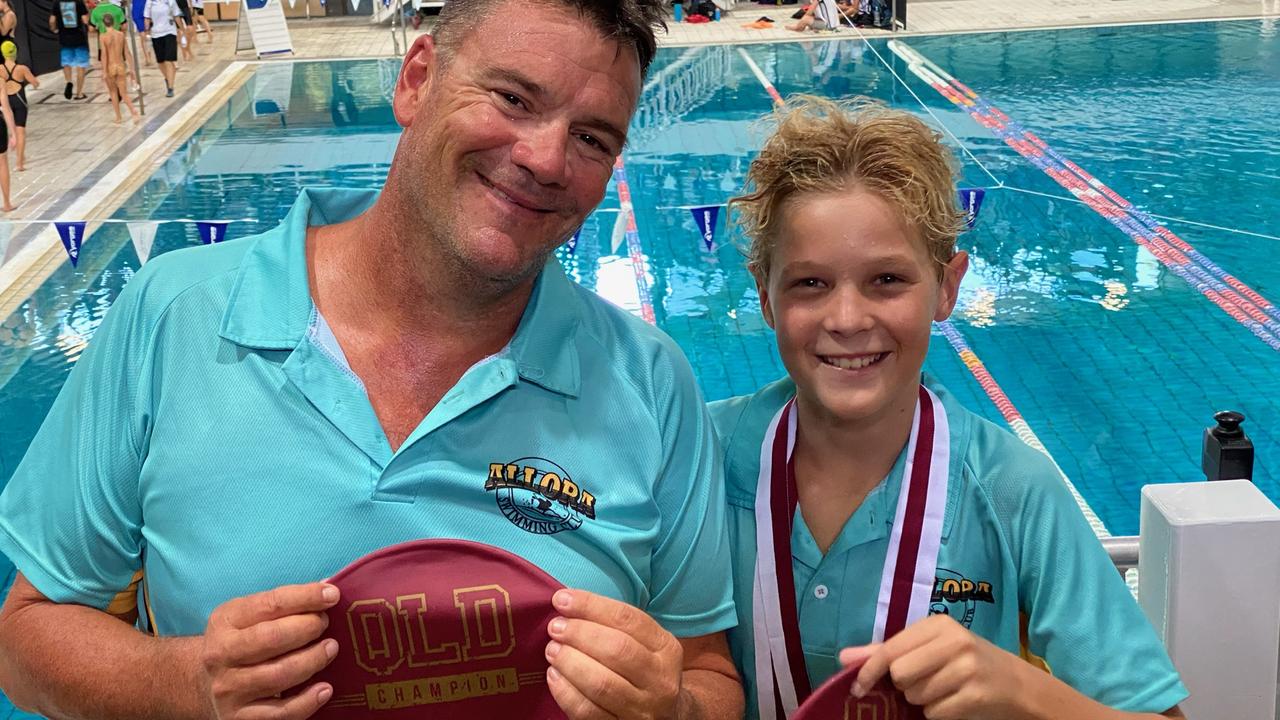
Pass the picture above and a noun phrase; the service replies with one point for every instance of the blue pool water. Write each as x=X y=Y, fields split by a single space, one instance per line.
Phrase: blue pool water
x=1116 y=363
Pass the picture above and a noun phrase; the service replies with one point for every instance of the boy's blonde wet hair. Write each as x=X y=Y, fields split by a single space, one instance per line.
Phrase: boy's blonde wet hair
x=823 y=146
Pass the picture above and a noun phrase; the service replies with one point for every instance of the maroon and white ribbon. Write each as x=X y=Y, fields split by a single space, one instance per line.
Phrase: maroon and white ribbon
x=906 y=584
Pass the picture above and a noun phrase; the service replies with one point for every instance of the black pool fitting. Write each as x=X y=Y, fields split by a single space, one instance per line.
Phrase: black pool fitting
x=1228 y=452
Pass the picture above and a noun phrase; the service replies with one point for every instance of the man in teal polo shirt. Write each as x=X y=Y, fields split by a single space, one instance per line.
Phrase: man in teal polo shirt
x=1018 y=565
x=381 y=368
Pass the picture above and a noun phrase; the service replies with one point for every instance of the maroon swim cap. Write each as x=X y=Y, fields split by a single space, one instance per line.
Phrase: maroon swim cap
x=832 y=701
x=445 y=629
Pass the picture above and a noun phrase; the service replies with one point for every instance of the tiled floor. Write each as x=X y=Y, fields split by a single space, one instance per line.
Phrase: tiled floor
x=946 y=16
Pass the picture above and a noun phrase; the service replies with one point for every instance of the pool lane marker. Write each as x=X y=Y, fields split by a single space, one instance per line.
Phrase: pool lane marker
x=1017 y=423
x=1241 y=302
x=634 y=250
x=768 y=86
x=1011 y=415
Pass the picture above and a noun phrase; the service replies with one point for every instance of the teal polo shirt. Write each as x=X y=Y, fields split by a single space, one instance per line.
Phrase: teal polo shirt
x=211 y=443
x=1017 y=557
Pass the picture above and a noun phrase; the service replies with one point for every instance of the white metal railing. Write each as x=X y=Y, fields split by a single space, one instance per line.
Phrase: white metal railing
x=1123 y=550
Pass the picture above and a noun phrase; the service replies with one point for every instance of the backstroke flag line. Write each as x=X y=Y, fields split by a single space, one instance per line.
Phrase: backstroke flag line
x=705 y=218
x=143 y=234
x=72 y=235
x=971 y=201
x=212 y=231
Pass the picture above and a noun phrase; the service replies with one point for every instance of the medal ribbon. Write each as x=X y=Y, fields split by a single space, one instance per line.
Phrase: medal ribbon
x=906 y=584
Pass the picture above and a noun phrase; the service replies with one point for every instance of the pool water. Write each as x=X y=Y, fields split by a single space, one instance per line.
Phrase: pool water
x=1114 y=361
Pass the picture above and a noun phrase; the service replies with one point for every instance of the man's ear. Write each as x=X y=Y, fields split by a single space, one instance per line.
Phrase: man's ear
x=416 y=75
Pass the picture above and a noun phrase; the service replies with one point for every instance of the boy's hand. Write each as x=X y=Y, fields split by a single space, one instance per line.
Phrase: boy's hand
x=945 y=669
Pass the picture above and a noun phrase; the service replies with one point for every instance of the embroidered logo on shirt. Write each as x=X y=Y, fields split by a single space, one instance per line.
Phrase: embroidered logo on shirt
x=958 y=596
x=538 y=496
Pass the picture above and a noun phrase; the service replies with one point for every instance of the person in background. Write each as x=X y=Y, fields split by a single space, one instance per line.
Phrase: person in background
x=70 y=20
x=198 y=19
x=186 y=31
x=875 y=520
x=17 y=78
x=118 y=69
x=8 y=22
x=810 y=18
x=163 y=23
x=8 y=141
x=136 y=10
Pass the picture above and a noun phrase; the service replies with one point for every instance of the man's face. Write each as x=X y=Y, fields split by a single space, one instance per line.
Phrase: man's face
x=511 y=143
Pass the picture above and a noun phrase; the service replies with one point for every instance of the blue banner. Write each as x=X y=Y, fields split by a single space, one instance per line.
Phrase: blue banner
x=971 y=202
x=573 y=240
x=705 y=218
x=138 y=11
x=72 y=234
x=212 y=231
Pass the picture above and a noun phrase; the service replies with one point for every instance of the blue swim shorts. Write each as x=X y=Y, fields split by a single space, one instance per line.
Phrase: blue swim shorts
x=75 y=56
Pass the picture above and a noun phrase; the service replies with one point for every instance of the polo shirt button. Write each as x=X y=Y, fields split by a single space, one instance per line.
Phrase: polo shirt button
x=821 y=592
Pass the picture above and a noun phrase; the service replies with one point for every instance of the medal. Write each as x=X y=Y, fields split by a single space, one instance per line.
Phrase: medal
x=906 y=584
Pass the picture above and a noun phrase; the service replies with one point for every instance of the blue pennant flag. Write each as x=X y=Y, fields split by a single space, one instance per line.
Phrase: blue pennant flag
x=573 y=240
x=138 y=12
x=705 y=218
x=212 y=231
x=72 y=234
x=971 y=201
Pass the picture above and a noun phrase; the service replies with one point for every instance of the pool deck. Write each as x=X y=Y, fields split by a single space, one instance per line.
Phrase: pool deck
x=81 y=166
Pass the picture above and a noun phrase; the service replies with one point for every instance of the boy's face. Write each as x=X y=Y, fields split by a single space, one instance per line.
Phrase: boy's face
x=852 y=296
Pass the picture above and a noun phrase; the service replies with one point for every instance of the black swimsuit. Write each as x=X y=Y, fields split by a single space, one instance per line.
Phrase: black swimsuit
x=9 y=36
x=18 y=100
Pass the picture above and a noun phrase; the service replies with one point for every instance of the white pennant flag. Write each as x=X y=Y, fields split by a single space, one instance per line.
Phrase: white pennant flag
x=355 y=5
x=6 y=233
x=619 y=230
x=143 y=234
x=292 y=3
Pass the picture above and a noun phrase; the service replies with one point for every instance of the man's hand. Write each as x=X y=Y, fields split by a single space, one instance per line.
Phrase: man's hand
x=609 y=659
x=944 y=668
x=260 y=646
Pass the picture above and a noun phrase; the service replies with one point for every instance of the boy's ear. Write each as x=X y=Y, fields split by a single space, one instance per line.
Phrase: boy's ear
x=762 y=289
x=949 y=289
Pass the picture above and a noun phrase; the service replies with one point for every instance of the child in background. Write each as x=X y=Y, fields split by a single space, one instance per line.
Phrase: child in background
x=198 y=20
x=117 y=68
x=17 y=78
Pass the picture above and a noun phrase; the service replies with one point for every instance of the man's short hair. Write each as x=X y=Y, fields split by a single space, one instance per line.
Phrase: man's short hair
x=629 y=22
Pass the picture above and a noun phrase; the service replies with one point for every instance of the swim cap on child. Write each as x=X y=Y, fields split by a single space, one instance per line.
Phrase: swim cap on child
x=446 y=629
x=8 y=49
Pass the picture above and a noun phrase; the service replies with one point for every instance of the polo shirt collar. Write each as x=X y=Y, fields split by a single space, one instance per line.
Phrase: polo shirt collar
x=744 y=455
x=545 y=344
x=270 y=305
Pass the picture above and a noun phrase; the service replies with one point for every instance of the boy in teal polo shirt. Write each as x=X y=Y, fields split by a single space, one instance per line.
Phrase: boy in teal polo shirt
x=873 y=518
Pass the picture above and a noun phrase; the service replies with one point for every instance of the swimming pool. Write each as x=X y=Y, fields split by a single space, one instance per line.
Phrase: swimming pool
x=1109 y=356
